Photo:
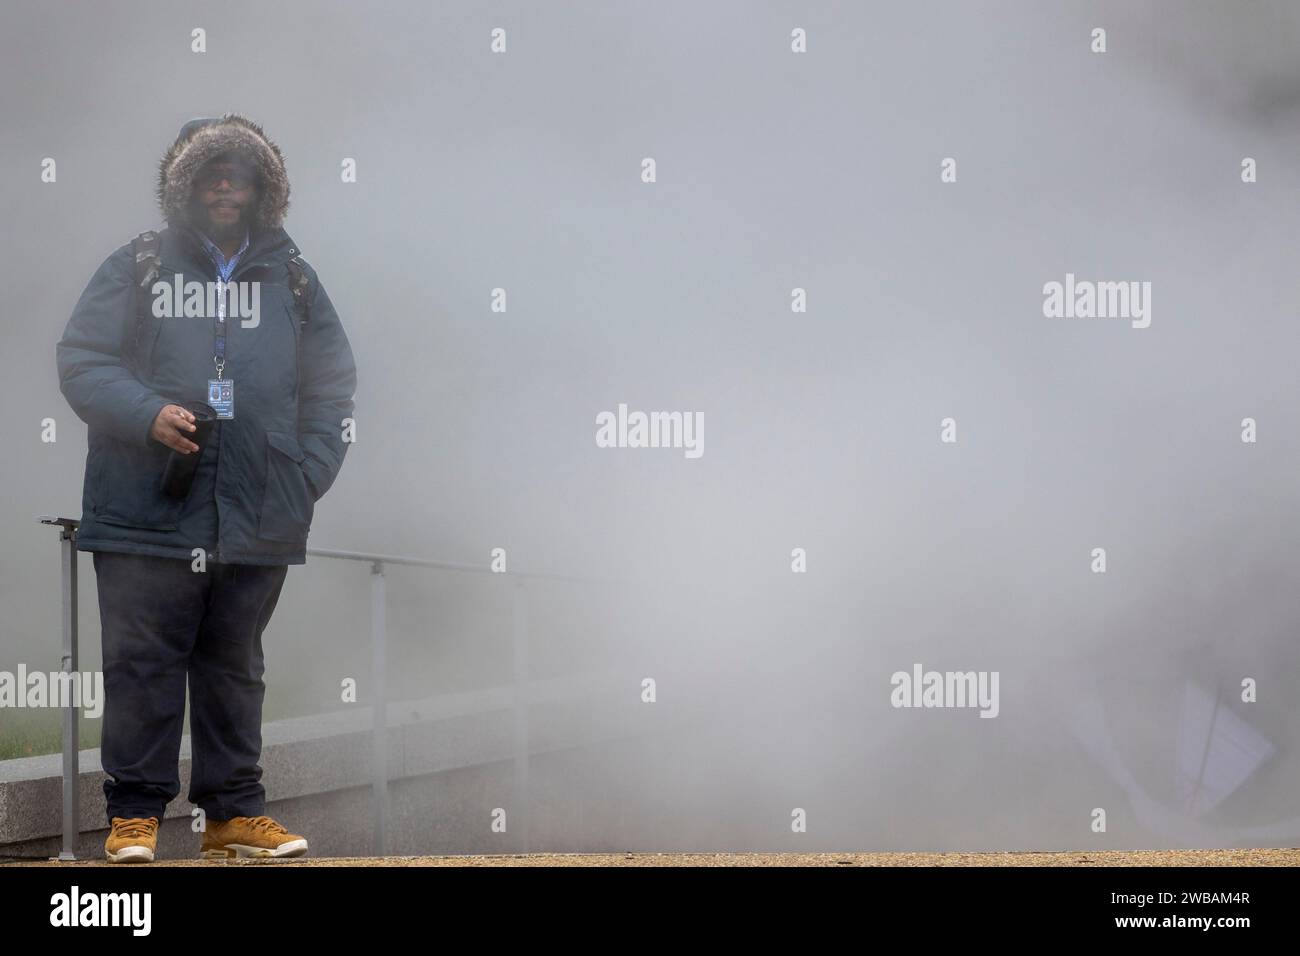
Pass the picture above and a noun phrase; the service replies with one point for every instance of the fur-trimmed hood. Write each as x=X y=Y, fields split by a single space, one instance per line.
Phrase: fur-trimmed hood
x=204 y=139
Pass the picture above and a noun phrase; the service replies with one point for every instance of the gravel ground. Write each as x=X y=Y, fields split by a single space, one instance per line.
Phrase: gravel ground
x=1278 y=857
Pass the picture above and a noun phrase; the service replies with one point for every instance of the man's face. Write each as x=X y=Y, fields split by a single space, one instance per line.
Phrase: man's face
x=225 y=195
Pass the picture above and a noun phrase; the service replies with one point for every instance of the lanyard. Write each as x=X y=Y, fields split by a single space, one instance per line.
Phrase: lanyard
x=219 y=329
x=219 y=323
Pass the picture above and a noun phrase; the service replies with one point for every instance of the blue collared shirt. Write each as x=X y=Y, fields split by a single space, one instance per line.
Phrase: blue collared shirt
x=225 y=268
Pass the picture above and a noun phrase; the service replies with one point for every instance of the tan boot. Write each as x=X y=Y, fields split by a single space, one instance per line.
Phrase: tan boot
x=132 y=840
x=249 y=837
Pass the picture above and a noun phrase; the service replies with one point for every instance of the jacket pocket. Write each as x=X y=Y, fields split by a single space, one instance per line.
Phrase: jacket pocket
x=287 y=501
x=126 y=486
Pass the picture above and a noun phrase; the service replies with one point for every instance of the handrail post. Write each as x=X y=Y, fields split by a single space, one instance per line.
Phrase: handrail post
x=379 y=708
x=68 y=665
x=521 y=711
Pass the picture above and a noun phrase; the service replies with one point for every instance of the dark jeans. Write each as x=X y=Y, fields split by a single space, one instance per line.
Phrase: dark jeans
x=162 y=623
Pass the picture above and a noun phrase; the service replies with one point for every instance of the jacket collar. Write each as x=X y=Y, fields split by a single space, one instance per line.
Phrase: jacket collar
x=213 y=249
x=266 y=248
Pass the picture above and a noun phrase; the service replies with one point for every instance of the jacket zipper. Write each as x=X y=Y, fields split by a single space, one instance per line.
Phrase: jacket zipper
x=234 y=277
x=242 y=268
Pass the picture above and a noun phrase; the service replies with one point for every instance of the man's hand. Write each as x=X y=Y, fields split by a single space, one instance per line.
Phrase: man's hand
x=170 y=427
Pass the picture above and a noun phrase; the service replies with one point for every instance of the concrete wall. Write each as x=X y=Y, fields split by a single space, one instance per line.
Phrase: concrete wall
x=451 y=762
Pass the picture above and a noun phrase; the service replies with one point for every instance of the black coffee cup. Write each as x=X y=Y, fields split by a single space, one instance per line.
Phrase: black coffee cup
x=178 y=476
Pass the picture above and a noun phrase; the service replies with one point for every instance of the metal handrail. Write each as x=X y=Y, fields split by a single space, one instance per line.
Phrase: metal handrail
x=68 y=662
x=379 y=653
x=442 y=565
x=379 y=675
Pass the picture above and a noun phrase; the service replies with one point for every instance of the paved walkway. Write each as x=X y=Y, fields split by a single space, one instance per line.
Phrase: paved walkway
x=1279 y=857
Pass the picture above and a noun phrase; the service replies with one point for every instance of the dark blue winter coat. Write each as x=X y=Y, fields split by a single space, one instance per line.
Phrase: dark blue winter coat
x=262 y=472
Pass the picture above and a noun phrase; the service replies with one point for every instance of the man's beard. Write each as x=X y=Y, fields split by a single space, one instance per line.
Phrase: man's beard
x=219 y=231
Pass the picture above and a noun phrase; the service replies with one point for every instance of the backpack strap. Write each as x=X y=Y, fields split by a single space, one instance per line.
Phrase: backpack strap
x=147 y=262
x=298 y=283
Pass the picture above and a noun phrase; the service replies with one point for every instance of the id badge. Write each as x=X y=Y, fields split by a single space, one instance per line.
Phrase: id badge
x=221 y=396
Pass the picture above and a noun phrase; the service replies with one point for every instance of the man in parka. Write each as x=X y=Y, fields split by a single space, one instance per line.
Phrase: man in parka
x=187 y=585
